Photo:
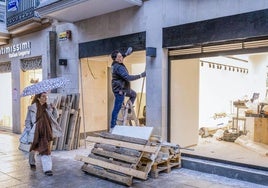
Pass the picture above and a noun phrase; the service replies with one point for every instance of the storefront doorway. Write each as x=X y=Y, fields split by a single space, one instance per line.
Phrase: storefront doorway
x=97 y=96
x=205 y=92
x=6 y=101
x=31 y=73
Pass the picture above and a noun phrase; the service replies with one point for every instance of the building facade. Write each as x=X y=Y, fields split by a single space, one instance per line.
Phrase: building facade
x=181 y=32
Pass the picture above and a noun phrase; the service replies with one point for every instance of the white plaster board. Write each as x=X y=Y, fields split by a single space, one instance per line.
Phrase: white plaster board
x=131 y=131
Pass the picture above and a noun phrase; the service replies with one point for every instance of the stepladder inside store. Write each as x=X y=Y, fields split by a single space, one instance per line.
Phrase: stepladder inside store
x=128 y=115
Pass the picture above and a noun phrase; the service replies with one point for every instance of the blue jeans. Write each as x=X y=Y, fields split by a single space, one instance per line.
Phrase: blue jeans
x=119 y=99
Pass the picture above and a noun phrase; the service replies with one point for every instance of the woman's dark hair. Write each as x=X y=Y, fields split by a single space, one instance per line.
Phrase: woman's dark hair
x=114 y=54
x=36 y=97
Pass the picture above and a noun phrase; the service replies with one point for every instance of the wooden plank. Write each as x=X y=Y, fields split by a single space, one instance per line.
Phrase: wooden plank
x=55 y=140
x=71 y=130
x=73 y=99
x=113 y=155
x=165 y=166
x=59 y=111
x=105 y=174
x=122 y=138
x=127 y=165
x=64 y=123
x=64 y=119
x=124 y=151
x=61 y=119
x=151 y=159
x=72 y=111
x=76 y=102
x=77 y=132
x=124 y=170
x=149 y=149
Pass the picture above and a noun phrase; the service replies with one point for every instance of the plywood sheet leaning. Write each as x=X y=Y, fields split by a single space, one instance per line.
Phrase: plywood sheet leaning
x=116 y=157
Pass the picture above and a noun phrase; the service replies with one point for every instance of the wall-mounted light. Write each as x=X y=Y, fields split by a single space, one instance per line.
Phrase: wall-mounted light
x=63 y=62
x=151 y=51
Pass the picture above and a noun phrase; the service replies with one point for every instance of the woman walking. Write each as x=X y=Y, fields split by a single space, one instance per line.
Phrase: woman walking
x=38 y=121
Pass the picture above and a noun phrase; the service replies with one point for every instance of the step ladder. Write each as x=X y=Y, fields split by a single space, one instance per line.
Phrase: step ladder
x=128 y=115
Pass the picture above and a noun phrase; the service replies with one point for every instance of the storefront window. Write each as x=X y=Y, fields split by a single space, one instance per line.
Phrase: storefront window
x=219 y=107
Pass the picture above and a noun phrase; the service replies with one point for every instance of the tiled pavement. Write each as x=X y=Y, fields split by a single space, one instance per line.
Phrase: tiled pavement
x=15 y=172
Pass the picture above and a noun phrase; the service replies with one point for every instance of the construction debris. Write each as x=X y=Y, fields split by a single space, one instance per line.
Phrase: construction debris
x=121 y=158
x=69 y=120
x=260 y=148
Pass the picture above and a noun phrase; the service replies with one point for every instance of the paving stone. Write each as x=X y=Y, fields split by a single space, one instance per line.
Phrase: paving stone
x=16 y=173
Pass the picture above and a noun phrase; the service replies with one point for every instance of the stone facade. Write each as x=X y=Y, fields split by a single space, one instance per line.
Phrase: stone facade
x=151 y=17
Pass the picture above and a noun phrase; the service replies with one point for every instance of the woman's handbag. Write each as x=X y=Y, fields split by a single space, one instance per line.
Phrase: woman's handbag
x=27 y=136
x=24 y=137
x=56 y=129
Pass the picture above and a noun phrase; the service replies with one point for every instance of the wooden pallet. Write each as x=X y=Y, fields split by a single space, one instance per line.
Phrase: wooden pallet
x=165 y=166
x=117 y=157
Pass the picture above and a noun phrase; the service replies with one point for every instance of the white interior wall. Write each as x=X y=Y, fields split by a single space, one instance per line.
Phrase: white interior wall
x=258 y=74
x=140 y=87
x=220 y=87
x=184 y=102
x=136 y=85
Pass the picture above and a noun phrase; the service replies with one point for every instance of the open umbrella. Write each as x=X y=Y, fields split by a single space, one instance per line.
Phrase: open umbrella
x=44 y=86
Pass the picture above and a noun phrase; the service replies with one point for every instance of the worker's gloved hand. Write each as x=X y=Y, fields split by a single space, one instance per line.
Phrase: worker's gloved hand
x=143 y=74
x=128 y=52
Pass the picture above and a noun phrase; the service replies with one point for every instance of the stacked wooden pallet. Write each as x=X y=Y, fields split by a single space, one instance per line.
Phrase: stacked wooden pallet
x=118 y=158
x=168 y=158
x=69 y=120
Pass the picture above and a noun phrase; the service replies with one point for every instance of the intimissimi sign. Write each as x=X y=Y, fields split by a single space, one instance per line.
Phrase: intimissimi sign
x=17 y=50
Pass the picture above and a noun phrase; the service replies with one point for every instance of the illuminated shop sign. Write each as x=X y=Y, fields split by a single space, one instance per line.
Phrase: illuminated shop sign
x=17 y=50
x=65 y=35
